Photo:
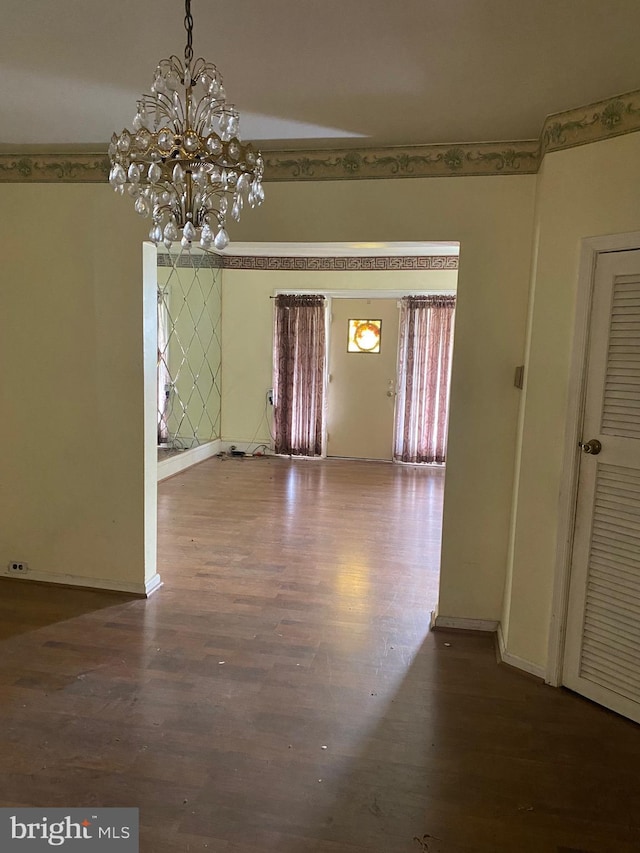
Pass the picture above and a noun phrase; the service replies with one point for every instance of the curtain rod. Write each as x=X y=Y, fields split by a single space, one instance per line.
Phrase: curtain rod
x=368 y=294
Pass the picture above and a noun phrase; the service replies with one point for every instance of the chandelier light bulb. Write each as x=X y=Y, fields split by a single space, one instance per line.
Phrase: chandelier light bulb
x=183 y=163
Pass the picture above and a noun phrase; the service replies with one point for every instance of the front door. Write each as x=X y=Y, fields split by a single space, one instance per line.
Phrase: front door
x=602 y=652
x=362 y=383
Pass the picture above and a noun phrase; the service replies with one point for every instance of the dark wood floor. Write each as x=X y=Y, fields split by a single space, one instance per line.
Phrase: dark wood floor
x=282 y=691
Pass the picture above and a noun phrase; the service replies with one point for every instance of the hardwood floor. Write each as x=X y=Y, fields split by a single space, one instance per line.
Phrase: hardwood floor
x=282 y=691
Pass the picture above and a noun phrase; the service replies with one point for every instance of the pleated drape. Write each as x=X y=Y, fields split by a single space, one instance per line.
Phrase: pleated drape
x=422 y=407
x=299 y=370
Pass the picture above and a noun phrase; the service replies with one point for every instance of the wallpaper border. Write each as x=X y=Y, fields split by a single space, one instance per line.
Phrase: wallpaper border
x=615 y=116
x=378 y=263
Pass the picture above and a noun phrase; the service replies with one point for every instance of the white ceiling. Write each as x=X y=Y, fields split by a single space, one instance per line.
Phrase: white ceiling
x=320 y=73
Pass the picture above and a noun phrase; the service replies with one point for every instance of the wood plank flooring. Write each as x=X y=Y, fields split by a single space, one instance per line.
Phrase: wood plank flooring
x=282 y=691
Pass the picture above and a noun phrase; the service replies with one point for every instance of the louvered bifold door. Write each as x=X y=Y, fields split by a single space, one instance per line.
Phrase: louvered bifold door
x=603 y=627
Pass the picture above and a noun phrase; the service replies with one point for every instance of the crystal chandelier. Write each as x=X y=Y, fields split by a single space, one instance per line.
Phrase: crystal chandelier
x=183 y=163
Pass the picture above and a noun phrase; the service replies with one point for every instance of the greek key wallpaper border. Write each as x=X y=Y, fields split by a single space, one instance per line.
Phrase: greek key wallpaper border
x=379 y=263
x=193 y=261
x=605 y=119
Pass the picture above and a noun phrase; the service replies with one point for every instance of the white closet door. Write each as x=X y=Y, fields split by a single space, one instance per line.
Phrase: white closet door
x=602 y=658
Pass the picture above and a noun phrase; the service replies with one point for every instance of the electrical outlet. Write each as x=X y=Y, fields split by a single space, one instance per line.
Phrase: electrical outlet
x=16 y=567
x=270 y=397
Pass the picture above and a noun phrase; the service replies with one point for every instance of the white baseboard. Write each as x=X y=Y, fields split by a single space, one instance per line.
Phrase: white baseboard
x=143 y=589
x=460 y=624
x=494 y=627
x=514 y=660
x=187 y=458
x=153 y=585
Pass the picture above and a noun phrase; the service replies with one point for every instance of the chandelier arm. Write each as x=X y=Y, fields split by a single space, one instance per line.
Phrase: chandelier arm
x=161 y=105
x=169 y=113
x=213 y=213
x=200 y=118
x=180 y=119
x=159 y=97
x=201 y=66
x=163 y=208
x=174 y=62
x=213 y=193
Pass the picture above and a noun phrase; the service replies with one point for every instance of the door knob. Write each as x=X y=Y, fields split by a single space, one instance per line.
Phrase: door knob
x=593 y=447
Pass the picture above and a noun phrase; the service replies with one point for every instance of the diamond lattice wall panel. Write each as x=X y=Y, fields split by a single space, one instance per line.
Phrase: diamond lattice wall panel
x=189 y=352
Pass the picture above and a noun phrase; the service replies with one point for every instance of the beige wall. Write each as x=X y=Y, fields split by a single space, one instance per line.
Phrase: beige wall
x=72 y=483
x=247 y=360
x=75 y=341
x=72 y=490
x=493 y=220
x=582 y=192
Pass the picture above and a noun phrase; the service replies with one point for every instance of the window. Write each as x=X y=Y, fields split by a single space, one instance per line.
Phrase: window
x=364 y=335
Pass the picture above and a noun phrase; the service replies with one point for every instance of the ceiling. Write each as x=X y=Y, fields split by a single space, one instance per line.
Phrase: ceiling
x=320 y=73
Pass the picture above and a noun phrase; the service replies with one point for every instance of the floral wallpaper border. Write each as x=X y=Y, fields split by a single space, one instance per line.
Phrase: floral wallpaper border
x=69 y=165
x=605 y=119
x=418 y=161
x=310 y=264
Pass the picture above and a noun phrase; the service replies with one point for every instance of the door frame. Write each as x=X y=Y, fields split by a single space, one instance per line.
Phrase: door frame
x=590 y=249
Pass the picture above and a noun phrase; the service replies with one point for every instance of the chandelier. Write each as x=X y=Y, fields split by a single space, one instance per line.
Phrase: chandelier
x=183 y=162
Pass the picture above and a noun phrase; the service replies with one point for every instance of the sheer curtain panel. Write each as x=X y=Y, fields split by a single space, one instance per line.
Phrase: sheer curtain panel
x=422 y=406
x=299 y=369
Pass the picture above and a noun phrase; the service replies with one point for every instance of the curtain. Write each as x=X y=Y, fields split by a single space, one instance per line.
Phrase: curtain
x=298 y=385
x=422 y=409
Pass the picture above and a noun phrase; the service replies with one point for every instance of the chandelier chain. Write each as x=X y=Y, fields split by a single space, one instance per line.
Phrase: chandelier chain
x=188 y=25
